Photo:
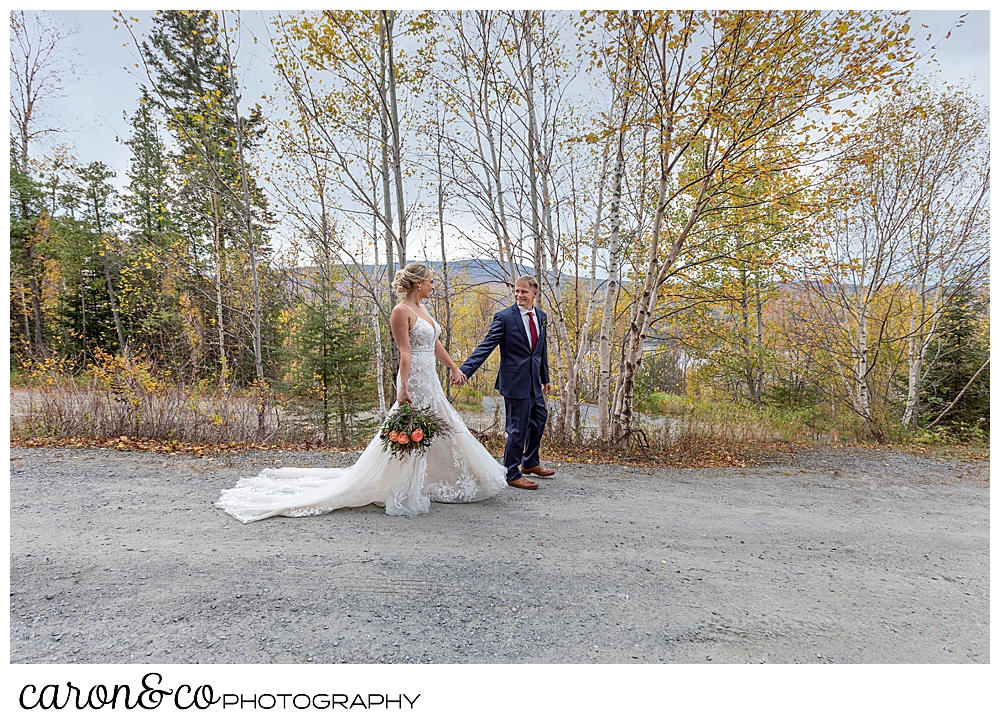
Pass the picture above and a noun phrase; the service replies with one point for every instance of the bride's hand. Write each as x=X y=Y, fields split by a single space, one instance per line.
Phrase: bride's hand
x=458 y=377
x=403 y=396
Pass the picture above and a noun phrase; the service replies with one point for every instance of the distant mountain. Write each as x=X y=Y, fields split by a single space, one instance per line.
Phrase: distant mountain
x=472 y=271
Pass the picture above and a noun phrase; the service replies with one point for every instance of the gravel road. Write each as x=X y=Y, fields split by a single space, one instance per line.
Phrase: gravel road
x=837 y=555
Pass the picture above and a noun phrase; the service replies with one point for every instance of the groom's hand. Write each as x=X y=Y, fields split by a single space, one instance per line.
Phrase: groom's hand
x=458 y=378
x=546 y=389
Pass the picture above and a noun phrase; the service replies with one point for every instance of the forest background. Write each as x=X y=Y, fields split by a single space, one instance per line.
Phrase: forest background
x=758 y=225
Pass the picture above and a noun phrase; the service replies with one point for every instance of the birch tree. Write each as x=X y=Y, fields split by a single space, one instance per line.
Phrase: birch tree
x=718 y=85
x=346 y=83
x=544 y=72
x=857 y=274
x=948 y=237
x=246 y=199
x=473 y=60
x=621 y=62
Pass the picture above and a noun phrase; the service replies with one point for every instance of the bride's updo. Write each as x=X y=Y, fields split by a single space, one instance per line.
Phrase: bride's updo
x=409 y=276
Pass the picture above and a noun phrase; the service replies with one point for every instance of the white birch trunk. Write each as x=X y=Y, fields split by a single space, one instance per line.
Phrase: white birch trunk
x=862 y=399
x=610 y=295
x=379 y=362
x=573 y=381
x=643 y=316
x=913 y=360
x=397 y=141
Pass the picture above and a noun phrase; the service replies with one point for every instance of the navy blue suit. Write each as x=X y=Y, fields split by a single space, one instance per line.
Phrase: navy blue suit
x=522 y=373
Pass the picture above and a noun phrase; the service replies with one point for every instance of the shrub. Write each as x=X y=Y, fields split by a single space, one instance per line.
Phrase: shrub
x=467 y=398
x=124 y=398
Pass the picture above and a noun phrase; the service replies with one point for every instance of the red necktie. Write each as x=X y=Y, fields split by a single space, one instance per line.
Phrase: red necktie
x=534 y=332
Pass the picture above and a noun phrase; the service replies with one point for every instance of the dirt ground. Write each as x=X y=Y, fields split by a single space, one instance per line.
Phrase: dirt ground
x=836 y=555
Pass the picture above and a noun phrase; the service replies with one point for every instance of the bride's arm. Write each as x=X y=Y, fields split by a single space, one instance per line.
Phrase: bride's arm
x=442 y=354
x=399 y=323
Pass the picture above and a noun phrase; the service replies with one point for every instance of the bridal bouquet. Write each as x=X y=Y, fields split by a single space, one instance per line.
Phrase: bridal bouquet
x=411 y=429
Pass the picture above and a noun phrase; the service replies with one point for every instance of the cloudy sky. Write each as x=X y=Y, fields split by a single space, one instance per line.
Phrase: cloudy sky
x=103 y=91
x=94 y=105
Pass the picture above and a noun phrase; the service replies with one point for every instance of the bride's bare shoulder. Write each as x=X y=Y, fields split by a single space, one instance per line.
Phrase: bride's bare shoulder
x=402 y=311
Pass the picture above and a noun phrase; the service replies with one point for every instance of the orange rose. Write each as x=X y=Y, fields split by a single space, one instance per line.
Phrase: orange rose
x=394 y=436
x=403 y=438
x=417 y=435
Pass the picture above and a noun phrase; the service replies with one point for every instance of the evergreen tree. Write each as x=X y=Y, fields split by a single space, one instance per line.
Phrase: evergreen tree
x=99 y=212
x=331 y=368
x=194 y=89
x=27 y=221
x=81 y=248
x=149 y=192
x=963 y=348
x=83 y=318
x=153 y=278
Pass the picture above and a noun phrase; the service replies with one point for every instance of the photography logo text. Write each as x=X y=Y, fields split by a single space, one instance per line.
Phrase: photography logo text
x=152 y=692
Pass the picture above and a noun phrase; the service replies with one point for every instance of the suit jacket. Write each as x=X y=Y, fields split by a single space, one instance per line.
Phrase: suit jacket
x=523 y=371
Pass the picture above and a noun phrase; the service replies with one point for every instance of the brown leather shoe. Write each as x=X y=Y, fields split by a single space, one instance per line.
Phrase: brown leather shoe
x=523 y=484
x=539 y=470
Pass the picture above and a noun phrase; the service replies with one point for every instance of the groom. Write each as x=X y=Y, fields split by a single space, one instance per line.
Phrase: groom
x=523 y=380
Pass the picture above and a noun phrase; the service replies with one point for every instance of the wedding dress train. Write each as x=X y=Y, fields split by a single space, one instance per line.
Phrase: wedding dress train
x=456 y=468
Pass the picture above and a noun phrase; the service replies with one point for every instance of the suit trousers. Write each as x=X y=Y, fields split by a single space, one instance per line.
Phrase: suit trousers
x=525 y=423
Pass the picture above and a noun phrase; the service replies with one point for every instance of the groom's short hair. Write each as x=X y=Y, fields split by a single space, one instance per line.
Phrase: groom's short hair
x=528 y=280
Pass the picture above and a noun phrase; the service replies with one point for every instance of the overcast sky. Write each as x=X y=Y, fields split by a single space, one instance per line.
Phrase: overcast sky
x=93 y=109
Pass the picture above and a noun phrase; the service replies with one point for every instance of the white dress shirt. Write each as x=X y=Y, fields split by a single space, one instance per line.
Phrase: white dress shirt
x=527 y=323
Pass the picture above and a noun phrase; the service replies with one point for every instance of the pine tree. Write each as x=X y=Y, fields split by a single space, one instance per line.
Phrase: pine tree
x=100 y=197
x=332 y=372
x=26 y=216
x=83 y=319
x=963 y=348
x=25 y=207
x=153 y=278
x=149 y=192
x=194 y=88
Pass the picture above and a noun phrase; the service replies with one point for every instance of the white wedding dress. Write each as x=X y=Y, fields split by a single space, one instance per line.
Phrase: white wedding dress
x=455 y=468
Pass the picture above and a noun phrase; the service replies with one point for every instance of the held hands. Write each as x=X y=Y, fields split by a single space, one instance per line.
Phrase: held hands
x=458 y=377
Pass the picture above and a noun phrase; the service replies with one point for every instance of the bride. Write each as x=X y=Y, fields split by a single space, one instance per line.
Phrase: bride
x=456 y=468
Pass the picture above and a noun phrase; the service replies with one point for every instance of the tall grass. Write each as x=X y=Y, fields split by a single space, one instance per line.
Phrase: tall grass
x=671 y=417
x=121 y=397
x=175 y=414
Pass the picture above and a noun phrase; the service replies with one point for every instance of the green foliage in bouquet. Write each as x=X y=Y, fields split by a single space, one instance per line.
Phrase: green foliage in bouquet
x=411 y=429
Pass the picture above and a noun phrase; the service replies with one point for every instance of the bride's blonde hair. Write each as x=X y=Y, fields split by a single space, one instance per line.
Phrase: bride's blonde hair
x=410 y=275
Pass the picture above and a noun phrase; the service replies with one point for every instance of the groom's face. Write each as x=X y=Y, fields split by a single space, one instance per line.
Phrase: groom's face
x=524 y=296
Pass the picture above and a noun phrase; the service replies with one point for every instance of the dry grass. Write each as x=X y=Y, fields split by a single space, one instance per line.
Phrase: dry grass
x=720 y=418
x=689 y=443
x=122 y=399
x=178 y=414
x=122 y=406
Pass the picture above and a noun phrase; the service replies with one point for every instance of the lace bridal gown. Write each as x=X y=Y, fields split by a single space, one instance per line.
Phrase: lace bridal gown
x=455 y=469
